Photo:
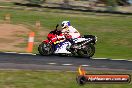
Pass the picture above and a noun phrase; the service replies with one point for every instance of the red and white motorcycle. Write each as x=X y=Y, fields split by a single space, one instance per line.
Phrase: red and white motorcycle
x=83 y=46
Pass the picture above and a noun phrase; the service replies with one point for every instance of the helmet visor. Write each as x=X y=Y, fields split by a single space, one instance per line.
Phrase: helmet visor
x=62 y=25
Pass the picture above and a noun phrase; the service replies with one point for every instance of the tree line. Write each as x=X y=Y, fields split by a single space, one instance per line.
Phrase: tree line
x=107 y=2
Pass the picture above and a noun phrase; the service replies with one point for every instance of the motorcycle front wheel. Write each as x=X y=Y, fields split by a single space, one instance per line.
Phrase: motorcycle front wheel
x=88 y=51
x=45 y=49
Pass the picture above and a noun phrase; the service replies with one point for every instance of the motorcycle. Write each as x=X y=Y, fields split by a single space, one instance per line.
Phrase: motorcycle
x=83 y=46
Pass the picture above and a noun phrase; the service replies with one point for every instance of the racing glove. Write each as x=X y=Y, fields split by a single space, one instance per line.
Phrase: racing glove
x=56 y=42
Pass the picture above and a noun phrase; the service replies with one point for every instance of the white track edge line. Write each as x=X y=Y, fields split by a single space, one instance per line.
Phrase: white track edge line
x=85 y=65
x=67 y=64
x=129 y=60
x=10 y=52
x=52 y=63
x=100 y=58
x=118 y=59
x=21 y=53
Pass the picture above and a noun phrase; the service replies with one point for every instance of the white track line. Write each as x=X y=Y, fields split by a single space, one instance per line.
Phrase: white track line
x=129 y=60
x=117 y=59
x=100 y=58
x=85 y=65
x=67 y=64
x=25 y=53
x=20 y=53
x=10 y=52
x=34 y=54
x=52 y=63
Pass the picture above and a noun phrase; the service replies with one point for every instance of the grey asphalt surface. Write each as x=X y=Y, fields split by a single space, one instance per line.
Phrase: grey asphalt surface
x=37 y=62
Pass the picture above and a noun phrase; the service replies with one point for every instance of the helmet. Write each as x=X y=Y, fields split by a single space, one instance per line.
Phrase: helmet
x=65 y=24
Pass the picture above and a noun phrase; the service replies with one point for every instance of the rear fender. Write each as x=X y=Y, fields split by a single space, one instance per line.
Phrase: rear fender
x=94 y=38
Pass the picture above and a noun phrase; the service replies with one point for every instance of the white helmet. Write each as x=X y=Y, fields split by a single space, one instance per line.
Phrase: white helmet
x=65 y=24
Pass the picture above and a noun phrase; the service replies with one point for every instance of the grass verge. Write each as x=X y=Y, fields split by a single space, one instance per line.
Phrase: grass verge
x=48 y=79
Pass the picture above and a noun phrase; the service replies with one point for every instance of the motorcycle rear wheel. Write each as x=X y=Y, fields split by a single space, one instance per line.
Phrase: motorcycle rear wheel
x=45 y=49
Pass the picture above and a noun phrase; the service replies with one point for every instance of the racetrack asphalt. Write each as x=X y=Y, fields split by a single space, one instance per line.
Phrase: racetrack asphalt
x=37 y=62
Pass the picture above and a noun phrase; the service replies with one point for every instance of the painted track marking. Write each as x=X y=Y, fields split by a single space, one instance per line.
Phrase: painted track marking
x=67 y=64
x=118 y=59
x=100 y=58
x=129 y=60
x=85 y=65
x=11 y=52
x=52 y=63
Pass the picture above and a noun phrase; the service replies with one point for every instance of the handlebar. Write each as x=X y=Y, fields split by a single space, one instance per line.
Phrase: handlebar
x=57 y=26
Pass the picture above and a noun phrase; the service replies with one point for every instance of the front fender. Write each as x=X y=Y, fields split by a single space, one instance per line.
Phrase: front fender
x=46 y=41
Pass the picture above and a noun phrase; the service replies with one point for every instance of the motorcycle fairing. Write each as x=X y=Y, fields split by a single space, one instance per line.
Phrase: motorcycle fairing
x=61 y=47
x=77 y=40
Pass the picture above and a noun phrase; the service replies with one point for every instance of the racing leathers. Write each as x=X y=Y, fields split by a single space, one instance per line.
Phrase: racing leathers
x=71 y=31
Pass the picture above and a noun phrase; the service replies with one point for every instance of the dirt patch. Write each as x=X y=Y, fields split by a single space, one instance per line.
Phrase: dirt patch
x=11 y=36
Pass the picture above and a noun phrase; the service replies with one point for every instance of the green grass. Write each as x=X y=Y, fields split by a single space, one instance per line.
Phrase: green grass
x=6 y=4
x=114 y=32
x=47 y=79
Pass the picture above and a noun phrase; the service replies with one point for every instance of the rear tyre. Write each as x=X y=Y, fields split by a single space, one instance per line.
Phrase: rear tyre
x=88 y=51
x=45 y=49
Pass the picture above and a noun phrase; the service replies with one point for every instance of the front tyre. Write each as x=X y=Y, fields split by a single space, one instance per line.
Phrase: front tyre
x=88 y=51
x=45 y=49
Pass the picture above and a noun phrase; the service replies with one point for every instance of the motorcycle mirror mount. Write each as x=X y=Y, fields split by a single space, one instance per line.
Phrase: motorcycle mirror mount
x=57 y=26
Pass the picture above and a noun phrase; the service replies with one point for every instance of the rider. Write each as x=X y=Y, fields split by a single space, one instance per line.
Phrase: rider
x=67 y=28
